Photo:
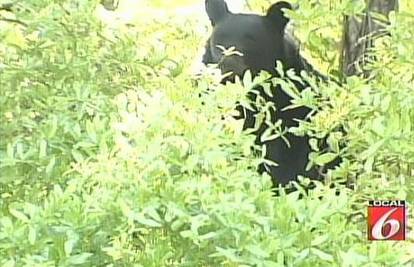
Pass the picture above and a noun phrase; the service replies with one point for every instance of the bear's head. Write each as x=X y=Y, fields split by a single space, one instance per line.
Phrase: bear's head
x=246 y=41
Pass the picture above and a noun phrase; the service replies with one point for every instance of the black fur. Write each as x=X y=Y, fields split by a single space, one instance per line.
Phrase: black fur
x=261 y=41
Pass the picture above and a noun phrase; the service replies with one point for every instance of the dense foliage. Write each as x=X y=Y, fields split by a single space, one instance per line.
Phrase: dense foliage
x=109 y=158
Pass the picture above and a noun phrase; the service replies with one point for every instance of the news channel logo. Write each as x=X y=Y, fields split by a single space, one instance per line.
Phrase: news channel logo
x=387 y=220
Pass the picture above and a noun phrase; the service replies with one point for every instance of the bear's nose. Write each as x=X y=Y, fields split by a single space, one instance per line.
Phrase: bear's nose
x=231 y=66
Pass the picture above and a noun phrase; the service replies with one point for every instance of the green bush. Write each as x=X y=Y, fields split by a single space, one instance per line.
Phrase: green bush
x=109 y=158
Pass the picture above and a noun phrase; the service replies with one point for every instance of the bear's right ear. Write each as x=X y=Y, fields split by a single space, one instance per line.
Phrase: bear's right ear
x=276 y=14
x=216 y=10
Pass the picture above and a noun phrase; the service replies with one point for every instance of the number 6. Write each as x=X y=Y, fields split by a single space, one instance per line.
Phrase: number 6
x=382 y=222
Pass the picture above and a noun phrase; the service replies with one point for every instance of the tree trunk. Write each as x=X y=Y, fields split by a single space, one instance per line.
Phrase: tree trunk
x=359 y=34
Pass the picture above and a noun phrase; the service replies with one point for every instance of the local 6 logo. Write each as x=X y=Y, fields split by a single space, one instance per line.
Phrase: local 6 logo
x=386 y=220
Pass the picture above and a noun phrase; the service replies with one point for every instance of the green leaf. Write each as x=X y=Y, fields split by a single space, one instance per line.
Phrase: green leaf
x=19 y=150
x=247 y=79
x=79 y=259
x=289 y=89
x=49 y=167
x=140 y=218
x=333 y=142
x=77 y=155
x=257 y=251
x=68 y=246
x=323 y=159
x=177 y=224
x=19 y=215
x=32 y=235
x=314 y=144
x=378 y=126
x=322 y=255
x=152 y=212
x=42 y=148
x=279 y=69
x=267 y=88
x=320 y=239
x=372 y=149
x=229 y=253
x=53 y=126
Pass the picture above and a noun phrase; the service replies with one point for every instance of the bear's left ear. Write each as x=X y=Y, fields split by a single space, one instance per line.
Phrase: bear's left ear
x=216 y=10
x=276 y=14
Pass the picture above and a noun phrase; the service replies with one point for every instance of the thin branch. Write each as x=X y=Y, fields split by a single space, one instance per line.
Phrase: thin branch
x=13 y=21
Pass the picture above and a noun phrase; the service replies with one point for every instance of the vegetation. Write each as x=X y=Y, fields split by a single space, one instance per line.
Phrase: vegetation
x=109 y=157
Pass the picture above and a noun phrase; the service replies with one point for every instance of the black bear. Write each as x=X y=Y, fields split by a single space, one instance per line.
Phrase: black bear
x=260 y=42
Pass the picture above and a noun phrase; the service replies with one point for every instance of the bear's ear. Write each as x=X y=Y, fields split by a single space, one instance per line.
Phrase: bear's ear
x=276 y=14
x=216 y=10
